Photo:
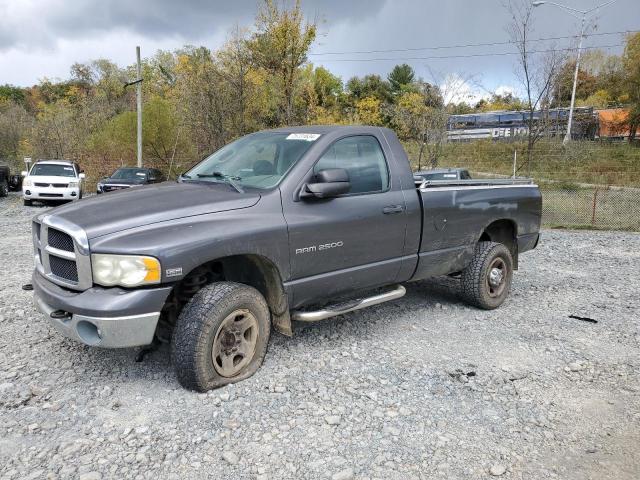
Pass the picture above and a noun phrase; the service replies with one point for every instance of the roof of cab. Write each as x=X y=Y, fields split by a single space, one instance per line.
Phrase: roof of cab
x=57 y=162
x=324 y=129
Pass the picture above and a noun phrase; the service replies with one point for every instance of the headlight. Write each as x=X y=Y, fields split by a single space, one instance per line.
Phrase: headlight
x=27 y=182
x=73 y=184
x=124 y=270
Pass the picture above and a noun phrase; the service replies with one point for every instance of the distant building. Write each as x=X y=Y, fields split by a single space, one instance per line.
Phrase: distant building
x=613 y=124
x=509 y=125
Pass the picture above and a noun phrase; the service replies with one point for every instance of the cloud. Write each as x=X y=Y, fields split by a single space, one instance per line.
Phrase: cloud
x=45 y=37
x=457 y=89
x=51 y=21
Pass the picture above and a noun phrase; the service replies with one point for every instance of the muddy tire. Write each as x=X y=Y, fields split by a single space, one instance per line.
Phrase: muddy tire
x=487 y=279
x=221 y=336
x=4 y=188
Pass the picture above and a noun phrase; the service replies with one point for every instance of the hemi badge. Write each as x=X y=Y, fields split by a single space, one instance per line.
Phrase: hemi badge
x=174 y=272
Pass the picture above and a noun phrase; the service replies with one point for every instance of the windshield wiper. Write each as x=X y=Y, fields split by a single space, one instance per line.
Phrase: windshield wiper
x=229 y=178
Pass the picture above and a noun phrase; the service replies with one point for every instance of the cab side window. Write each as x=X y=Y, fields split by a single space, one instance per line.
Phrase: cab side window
x=361 y=156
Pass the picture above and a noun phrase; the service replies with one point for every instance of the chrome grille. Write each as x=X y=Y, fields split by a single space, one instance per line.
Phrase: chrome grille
x=63 y=268
x=60 y=240
x=61 y=253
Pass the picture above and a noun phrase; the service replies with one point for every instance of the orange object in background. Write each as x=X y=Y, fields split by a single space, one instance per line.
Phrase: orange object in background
x=613 y=123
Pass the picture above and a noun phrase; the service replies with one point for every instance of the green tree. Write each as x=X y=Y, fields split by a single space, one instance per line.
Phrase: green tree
x=327 y=86
x=14 y=94
x=369 y=86
x=401 y=77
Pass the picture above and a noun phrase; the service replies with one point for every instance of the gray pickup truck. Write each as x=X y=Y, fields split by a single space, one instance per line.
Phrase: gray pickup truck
x=294 y=224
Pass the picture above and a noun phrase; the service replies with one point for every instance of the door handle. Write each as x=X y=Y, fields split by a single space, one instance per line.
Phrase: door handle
x=391 y=209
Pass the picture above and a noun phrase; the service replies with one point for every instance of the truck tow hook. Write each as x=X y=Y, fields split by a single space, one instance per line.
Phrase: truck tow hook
x=60 y=314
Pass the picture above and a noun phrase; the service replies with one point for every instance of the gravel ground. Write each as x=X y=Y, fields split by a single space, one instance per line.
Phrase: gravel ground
x=423 y=387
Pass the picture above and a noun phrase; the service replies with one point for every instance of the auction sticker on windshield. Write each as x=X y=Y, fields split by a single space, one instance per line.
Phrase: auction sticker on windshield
x=309 y=137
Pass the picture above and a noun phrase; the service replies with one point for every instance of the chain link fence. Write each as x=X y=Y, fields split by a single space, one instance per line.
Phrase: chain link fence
x=585 y=184
x=611 y=208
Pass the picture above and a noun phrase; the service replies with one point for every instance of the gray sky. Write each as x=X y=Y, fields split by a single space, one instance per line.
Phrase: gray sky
x=42 y=38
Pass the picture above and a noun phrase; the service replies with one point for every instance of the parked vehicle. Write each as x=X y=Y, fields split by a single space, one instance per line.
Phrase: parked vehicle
x=52 y=180
x=15 y=182
x=442 y=174
x=128 y=177
x=299 y=223
x=5 y=174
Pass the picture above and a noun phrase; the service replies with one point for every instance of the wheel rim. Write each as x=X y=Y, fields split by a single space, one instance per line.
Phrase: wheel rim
x=496 y=280
x=235 y=343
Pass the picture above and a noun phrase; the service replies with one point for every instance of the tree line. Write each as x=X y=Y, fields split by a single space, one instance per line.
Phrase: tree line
x=197 y=99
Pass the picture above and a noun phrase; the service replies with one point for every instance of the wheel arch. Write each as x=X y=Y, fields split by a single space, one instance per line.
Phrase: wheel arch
x=254 y=270
x=503 y=231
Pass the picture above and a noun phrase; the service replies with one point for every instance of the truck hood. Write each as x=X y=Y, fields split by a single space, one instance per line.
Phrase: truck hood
x=135 y=207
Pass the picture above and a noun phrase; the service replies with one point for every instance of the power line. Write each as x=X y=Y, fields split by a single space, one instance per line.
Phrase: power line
x=467 y=45
x=471 y=55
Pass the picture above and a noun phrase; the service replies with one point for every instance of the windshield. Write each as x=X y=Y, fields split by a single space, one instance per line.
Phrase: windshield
x=259 y=160
x=52 y=170
x=129 y=174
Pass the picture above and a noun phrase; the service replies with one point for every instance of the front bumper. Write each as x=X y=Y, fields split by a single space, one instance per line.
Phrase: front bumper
x=102 y=317
x=50 y=193
x=116 y=332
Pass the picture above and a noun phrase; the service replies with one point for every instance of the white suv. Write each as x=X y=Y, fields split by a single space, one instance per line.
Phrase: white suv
x=59 y=180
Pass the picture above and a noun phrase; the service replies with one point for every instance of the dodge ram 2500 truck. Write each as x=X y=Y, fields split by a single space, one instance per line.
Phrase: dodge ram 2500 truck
x=300 y=223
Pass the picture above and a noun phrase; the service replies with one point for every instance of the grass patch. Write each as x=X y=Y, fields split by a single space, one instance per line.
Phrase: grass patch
x=579 y=162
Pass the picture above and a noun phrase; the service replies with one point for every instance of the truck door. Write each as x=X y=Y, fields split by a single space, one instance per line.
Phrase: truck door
x=351 y=242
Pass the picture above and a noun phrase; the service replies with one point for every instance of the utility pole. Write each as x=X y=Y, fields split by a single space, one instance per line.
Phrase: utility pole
x=139 y=105
x=567 y=137
x=580 y=15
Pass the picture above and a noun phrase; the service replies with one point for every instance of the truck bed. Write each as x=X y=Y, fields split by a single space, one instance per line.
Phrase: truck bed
x=457 y=212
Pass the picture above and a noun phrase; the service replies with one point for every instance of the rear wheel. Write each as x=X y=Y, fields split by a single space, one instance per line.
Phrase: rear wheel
x=487 y=279
x=221 y=336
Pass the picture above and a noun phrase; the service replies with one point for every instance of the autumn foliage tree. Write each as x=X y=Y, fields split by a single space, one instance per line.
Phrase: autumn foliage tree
x=280 y=46
x=197 y=99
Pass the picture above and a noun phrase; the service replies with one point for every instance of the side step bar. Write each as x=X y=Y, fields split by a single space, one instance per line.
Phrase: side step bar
x=349 y=306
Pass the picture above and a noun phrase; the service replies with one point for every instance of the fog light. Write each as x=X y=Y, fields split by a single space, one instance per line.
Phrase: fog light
x=28 y=192
x=73 y=194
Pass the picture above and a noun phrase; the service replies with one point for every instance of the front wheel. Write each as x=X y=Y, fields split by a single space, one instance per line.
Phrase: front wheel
x=487 y=279
x=221 y=336
x=4 y=188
